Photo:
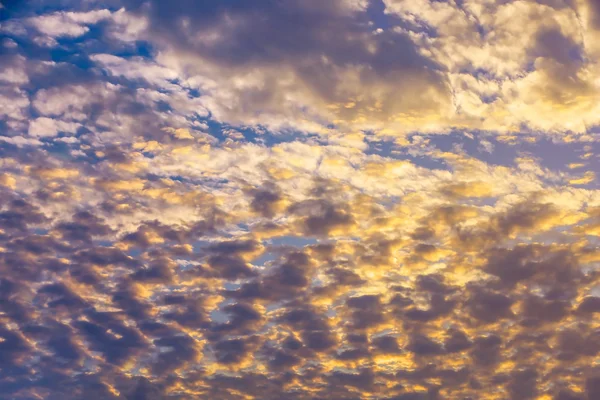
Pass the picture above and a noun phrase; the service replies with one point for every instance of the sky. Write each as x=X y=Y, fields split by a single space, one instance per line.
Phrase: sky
x=300 y=199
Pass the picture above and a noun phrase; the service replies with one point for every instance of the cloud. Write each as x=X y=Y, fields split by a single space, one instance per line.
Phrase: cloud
x=238 y=200
x=70 y=24
x=48 y=127
x=337 y=70
x=507 y=72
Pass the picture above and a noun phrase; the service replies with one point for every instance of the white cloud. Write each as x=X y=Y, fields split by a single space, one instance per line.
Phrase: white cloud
x=21 y=141
x=13 y=103
x=126 y=26
x=13 y=70
x=48 y=127
x=136 y=68
x=65 y=99
x=69 y=24
x=486 y=145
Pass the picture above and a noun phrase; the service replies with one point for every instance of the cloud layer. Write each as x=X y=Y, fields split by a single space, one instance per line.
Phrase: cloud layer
x=298 y=199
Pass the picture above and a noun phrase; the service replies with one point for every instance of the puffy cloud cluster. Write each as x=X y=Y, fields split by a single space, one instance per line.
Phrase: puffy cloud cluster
x=293 y=271
x=514 y=63
x=395 y=67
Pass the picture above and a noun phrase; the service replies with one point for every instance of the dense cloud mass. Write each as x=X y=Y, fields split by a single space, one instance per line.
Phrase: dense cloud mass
x=299 y=199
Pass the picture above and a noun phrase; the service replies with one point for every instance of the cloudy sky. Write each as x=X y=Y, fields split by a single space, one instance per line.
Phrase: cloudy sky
x=300 y=199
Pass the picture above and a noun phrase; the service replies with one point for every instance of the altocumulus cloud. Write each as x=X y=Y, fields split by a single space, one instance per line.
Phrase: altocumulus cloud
x=350 y=199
